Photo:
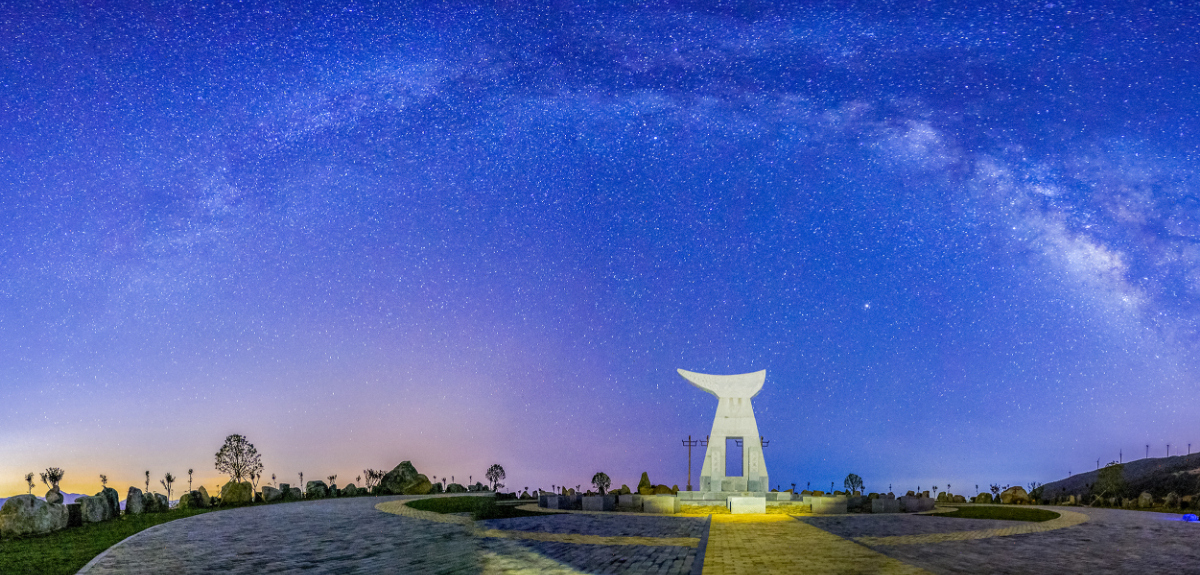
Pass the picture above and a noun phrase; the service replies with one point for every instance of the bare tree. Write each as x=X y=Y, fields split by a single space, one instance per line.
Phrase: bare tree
x=166 y=482
x=147 y=481
x=29 y=480
x=331 y=479
x=238 y=458
x=103 y=481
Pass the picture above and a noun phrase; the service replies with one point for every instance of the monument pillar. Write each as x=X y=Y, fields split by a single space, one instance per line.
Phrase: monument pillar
x=734 y=420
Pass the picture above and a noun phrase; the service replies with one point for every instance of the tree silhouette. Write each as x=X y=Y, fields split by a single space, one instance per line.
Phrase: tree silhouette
x=601 y=481
x=852 y=483
x=29 y=480
x=494 y=474
x=190 y=479
x=103 y=480
x=331 y=479
x=238 y=458
x=147 y=481
x=166 y=482
x=52 y=476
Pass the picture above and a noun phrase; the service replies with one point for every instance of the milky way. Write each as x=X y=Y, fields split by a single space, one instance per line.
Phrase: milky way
x=963 y=240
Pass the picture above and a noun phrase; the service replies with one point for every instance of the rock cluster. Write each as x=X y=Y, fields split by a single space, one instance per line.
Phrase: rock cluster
x=28 y=515
x=645 y=487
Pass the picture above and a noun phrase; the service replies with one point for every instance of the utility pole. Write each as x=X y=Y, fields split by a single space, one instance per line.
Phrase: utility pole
x=1121 y=456
x=1168 y=450
x=1097 y=464
x=690 y=443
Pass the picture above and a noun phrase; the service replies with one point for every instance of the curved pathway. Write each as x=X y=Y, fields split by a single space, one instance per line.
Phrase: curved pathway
x=375 y=535
x=326 y=536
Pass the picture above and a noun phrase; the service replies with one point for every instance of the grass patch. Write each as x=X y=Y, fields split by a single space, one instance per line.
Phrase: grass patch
x=68 y=550
x=480 y=508
x=1004 y=513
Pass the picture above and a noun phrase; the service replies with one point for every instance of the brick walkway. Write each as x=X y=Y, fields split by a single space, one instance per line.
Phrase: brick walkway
x=374 y=535
x=324 y=536
x=754 y=544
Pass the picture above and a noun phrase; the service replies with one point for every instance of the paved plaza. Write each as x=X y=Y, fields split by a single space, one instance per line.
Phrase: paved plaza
x=381 y=535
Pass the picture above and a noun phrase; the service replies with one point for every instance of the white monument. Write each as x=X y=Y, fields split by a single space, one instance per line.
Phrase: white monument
x=734 y=420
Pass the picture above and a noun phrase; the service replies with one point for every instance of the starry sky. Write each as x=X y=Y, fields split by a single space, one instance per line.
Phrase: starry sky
x=963 y=238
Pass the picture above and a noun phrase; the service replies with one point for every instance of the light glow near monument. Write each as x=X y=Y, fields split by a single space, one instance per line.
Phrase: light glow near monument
x=961 y=239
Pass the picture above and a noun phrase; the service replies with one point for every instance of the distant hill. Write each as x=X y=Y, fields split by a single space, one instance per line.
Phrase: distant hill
x=67 y=498
x=1157 y=475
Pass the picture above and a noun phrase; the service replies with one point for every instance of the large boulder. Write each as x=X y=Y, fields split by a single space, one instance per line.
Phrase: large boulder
x=1145 y=500
x=114 y=501
x=54 y=497
x=983 y=498
x=204 y=502
x=455 y=488
x=644 y=485
x=134 y=504
x=164 y=504
x=150 y=503
x=270 y=494
x=662 y=490
x=404 y=480
x=1172 y=500
x=316 y=490
x=959 y=499
x=94 y=509
x=191 y=500
x=28 y=515
x=1014 y=495
x=237 y=493
x=295 y=494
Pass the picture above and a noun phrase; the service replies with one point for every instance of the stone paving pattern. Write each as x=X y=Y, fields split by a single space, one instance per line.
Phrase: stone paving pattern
x=355 y=536
x=324 y=536
x=606 y=525
x=768 y=544
x=1111 y=541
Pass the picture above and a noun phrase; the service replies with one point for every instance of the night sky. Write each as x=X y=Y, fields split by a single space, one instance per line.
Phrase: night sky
x=963 y=239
